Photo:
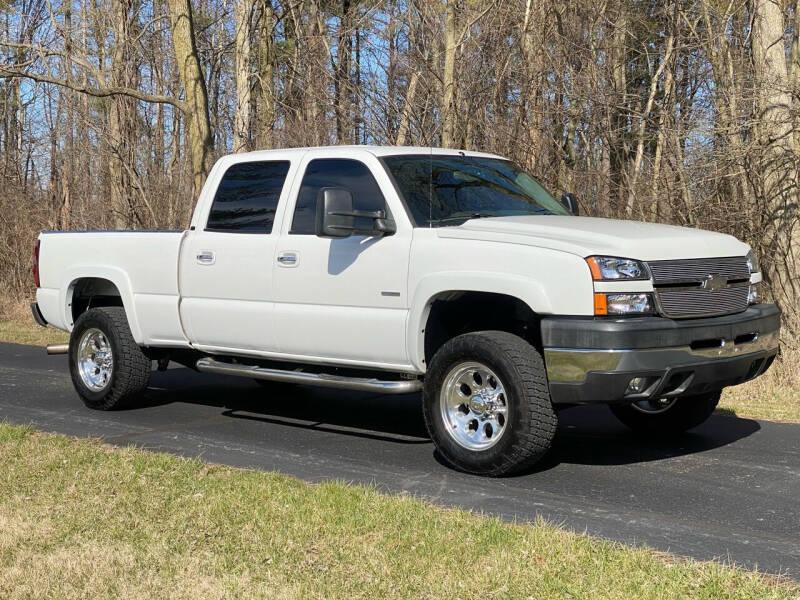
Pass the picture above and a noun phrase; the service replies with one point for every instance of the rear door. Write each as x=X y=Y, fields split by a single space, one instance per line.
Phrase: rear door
x=343 y=300
x=225 y=276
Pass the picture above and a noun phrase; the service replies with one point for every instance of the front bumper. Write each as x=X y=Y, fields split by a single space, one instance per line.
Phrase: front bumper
x=594 y=360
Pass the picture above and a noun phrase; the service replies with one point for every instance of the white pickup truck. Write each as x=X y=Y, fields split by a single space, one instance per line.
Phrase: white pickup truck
x=398 y=270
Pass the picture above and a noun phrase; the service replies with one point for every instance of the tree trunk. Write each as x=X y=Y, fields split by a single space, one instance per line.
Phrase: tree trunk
x=201 y=148
x=449 y=103
x=777 y=147
x=68 y=170
x=405 y=116
x=341 y=76
x=242 y=118
x=265 y=89
x=619 y=126
x=121 y=120
x=532 y=53
x=314 y=88
x=640 y=135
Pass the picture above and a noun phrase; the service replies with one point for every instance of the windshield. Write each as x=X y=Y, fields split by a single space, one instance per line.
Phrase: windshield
x=444 y=190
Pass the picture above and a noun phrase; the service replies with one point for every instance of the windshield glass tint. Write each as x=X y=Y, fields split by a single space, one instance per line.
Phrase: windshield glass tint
x=447 y=190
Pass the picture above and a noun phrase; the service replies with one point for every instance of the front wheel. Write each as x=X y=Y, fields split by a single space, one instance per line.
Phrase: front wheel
x=487 y=403
x=667 y=416
x=107 y=366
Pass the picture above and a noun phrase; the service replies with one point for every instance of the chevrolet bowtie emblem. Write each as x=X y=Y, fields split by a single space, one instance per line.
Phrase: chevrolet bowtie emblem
x=715 y=282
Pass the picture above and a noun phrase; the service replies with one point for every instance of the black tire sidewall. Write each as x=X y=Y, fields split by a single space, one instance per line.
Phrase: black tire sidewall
x=473 y=348
x=99 y=320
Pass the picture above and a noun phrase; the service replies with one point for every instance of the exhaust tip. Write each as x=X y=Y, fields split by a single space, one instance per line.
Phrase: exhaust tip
x=58 y=348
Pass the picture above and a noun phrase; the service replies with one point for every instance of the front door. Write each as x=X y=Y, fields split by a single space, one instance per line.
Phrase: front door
x=226 y=263
x=343 y=300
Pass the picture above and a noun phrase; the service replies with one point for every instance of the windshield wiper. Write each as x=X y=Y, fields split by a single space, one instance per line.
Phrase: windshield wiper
x=464 y=217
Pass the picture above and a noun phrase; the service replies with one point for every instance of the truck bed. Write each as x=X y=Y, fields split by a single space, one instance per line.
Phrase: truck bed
x=141 y=264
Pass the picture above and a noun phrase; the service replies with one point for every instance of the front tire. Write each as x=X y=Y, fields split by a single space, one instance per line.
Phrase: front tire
x=667 y=418
x=487 y=404
x=108 y=368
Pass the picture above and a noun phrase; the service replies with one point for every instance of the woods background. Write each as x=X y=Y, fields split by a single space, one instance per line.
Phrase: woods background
x=685 y=112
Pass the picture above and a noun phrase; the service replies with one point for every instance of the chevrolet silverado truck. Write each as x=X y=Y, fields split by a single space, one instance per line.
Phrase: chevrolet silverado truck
x=400 y=270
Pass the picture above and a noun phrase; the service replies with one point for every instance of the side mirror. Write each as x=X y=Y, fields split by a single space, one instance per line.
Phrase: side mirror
x=570 y=202
x=335 y=217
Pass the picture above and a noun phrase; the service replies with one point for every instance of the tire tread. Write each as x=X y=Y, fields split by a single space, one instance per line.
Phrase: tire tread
x=131 y=367
x=535 y=434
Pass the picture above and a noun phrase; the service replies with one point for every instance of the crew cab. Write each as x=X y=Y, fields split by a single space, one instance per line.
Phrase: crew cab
x=400 y=270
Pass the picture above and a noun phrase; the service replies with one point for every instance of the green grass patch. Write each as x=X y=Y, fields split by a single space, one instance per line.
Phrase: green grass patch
x=79 y=519
x=768 y=399
x=19 y=330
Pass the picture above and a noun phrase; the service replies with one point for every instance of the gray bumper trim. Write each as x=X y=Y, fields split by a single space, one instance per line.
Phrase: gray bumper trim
x=37 y=314
x=594 y=360
x=571 y=365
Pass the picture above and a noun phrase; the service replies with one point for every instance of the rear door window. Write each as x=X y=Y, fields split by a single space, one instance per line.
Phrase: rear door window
x=247 y=197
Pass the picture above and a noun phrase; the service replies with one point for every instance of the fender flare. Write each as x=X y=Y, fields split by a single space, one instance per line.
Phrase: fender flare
x=113 y=274
x=524 y=289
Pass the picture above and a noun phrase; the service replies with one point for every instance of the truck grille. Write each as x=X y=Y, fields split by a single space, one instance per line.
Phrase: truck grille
x=701 y=287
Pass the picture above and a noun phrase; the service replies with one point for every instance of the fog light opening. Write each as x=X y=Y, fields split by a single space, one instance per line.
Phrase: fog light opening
x=639 y=385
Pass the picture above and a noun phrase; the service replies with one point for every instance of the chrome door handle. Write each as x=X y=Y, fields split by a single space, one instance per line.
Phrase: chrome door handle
x=288 y=259
x=205 y=257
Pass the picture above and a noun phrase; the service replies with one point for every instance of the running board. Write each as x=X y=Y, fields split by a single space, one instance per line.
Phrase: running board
x=398 y=386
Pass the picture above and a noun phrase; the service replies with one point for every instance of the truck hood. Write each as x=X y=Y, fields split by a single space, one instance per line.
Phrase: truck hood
x=586 y=236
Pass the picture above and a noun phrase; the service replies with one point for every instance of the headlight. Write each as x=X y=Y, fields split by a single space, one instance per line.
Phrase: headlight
x=611 y=268
x=752 y=262
x=623 y=304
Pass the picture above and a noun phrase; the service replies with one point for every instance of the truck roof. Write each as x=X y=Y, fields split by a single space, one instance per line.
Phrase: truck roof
x=338 y=151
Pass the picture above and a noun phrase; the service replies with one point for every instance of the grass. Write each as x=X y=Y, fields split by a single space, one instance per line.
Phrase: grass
x=775 y=395
x=17 y=326
x=20 y=332
x=79 y=519
x=769 y=400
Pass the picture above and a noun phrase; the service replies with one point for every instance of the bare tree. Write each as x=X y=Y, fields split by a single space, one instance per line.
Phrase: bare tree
x=112 y=112
x=244 y=35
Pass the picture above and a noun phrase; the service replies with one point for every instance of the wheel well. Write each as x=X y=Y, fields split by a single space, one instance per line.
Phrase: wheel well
x=457 y=312
x=91 y=292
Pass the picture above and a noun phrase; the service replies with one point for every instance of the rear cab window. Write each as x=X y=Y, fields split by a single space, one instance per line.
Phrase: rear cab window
x=247 y=197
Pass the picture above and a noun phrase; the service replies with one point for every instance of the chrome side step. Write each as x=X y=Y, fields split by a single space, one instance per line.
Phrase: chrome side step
x=399 y=386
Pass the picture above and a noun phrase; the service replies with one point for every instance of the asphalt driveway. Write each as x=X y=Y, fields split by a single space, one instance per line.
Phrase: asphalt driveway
x=730 y=490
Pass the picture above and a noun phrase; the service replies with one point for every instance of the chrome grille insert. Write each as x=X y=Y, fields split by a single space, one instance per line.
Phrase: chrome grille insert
x=700 y=287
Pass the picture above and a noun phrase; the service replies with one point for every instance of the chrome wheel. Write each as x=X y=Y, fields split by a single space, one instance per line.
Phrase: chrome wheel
x=474 y=406
x=654 y=406
x=95 y=360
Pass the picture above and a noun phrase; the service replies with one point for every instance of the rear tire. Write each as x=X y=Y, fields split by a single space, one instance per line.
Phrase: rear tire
x=108 y=368
x=487 y=404
x=683 y=414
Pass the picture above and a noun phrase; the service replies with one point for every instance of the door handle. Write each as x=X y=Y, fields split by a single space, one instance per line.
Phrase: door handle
x=205 y=258
x=287 y=259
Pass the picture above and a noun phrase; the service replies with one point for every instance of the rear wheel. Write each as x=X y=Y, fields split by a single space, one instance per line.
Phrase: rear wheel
x=107 y=366
x=487 y=404
x=667 y=416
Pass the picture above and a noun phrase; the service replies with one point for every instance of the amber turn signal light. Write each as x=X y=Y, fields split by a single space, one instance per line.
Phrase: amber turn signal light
x=600 y=304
